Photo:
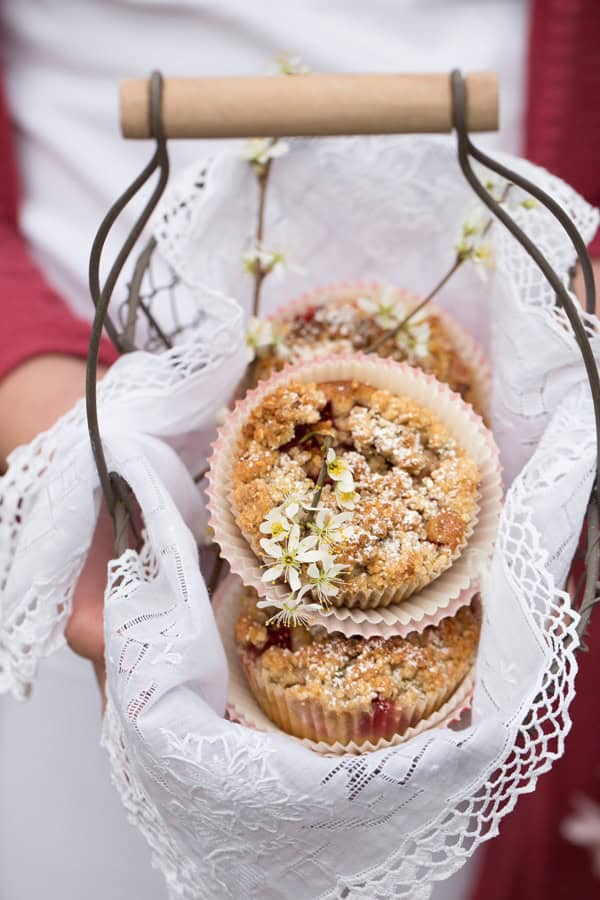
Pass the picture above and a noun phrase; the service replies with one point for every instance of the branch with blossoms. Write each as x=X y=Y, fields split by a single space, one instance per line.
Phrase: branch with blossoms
x=409 y=328
x=257 y=261
x=260 y=261
x=302 y=541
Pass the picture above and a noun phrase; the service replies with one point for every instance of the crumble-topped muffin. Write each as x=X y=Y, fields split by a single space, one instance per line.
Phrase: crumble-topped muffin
x=333 y=688
x=352 y=318
x=416 y=488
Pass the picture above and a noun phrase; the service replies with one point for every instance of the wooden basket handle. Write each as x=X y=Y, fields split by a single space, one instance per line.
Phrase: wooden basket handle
x=307 y=105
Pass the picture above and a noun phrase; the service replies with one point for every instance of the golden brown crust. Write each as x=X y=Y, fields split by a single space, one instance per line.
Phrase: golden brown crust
x=337 y=324
x=418 y=487
x=349 y=674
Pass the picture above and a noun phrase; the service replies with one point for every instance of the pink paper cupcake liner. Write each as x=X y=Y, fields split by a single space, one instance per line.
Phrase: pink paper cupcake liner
x=462 y=422
x=330 y=734
x=397 y=619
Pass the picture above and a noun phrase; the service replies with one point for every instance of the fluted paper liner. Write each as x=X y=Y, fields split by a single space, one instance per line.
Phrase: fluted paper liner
x=462 y=422
x=333 y=732
x=467 y=349
x=413 y=614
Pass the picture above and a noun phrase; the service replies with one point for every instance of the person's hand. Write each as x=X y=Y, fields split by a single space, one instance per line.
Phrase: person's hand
x=579 y=288
x=85 y=628
x=32 y=398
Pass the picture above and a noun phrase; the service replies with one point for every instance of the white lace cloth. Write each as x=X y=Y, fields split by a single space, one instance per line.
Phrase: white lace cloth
x=149 y=407
x=233 y=813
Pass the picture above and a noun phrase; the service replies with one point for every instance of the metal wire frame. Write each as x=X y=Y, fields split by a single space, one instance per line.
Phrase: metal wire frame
x=115 y=490
x=467 y=149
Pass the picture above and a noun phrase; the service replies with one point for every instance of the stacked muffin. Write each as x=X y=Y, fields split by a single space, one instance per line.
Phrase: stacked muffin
x=336 y=690
x=355 y=497
x=371 y=317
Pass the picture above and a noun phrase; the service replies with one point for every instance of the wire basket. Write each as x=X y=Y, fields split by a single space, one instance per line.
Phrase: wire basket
x=155 y=285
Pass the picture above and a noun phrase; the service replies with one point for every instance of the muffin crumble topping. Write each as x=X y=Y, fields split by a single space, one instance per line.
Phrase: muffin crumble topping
x=346 y=674
x=417 y=487
x=356 y=317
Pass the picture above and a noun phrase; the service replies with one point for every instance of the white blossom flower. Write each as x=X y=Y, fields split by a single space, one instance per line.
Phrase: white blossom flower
x=337 y=468
x=291 y=611
x=251 y=260
x=482 y=258
x=288 y=559
x=498 y=188
x=331 y=529
x=414 y=339
x=346 y=495
x=292 y=503
x=260 y=151
x=388 y=311
x=323 y=580
x=207 y=536
x=470 y=247
x=276 y=524
x=258 y=336
x=472 y=228
x=221 y=415
x=282 y=350
x=286 y=64
x=495 y=185
x=582 y=828
x=258 y=259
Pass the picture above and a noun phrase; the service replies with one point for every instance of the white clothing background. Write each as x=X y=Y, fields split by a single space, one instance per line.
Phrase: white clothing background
x=63 y=833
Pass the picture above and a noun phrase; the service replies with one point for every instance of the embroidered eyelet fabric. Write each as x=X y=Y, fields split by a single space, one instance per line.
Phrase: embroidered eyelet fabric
x=230 y=812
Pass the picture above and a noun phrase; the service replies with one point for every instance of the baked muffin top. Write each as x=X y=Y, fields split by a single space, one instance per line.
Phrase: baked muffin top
x=354 y=673
x=416 y=487
x=352 y=318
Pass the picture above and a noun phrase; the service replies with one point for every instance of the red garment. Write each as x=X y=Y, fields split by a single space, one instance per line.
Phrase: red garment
x=563 y=90
x=530 y=858
x=33 y=318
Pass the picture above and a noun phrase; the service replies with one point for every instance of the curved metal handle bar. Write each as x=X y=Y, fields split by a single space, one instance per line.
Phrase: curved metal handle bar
x=159 y=160
x=102 y=297
x=100 y=240
x=465 y=148
x=115 y=489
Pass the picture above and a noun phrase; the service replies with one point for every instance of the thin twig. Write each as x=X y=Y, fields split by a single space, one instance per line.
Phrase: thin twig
x=460 y=259
x=135 y=291
x=589 y=606
x=259 y=275
x=372 y=348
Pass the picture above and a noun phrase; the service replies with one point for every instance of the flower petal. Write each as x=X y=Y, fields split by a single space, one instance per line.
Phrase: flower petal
x=293 y=579
x=310 y=556
x=270 y=547
x=272 y=574
x=307 y=543
x=293 y=538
